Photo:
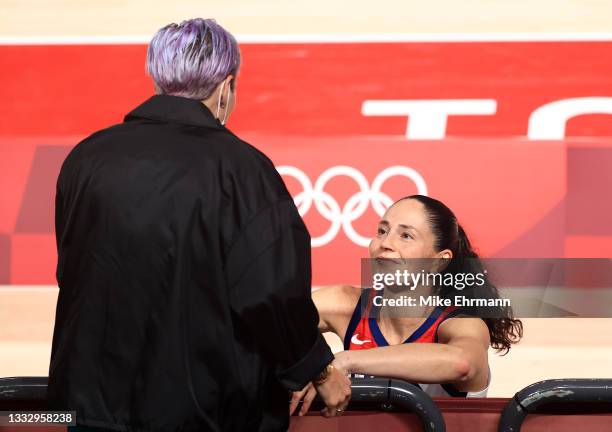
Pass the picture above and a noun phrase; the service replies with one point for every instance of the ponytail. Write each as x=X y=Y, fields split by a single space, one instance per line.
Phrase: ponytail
x=503 y=331
x=464 y=247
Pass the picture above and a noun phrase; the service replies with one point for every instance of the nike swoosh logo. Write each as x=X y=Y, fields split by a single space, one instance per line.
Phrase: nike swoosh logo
x=356 y=340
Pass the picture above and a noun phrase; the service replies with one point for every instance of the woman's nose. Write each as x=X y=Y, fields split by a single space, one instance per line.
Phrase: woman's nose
x=387 y=244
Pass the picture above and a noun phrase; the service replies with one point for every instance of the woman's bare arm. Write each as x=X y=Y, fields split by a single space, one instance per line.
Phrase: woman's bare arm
x=335 y=305
x=459 y=358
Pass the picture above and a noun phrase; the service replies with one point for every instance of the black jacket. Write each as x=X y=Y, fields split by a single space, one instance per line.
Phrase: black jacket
x=184 y=275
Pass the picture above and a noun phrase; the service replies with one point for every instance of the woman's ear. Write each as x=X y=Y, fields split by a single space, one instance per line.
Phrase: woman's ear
x=229 y=82
x=442 y=260
x=445 y=254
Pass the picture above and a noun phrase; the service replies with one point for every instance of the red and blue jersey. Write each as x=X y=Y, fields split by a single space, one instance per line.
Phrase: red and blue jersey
x=363 y=332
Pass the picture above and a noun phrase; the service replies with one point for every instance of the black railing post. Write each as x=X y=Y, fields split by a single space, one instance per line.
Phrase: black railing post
x=23 y=393
x=555 y=393
x=368 y=394
x=384 y=394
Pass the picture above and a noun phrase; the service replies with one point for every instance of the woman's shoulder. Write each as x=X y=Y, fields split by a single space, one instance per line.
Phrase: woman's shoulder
x=336 y=304
x=463 y=325
x=337 y=299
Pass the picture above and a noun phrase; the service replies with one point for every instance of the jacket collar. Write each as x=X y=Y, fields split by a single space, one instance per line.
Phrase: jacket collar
x=175 y=109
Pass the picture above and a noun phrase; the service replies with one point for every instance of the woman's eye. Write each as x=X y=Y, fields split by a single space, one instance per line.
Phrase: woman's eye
x=406 y=236
x=381 y=231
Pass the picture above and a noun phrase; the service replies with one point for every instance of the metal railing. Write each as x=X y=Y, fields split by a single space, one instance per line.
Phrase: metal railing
x=385 y=394
x=23 y=393
x=368 y=394
x=557 y=395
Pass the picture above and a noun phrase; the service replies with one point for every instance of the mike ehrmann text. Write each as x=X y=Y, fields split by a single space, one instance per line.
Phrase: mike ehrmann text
x=437 y=301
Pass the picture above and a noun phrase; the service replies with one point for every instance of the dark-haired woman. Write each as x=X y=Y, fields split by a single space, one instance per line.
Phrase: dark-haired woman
x=444 y=349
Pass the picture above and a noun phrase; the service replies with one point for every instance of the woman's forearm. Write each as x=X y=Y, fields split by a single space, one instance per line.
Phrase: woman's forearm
x=418 y=362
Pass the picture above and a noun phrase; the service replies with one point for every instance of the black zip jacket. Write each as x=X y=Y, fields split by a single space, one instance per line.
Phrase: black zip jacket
x=184 y=275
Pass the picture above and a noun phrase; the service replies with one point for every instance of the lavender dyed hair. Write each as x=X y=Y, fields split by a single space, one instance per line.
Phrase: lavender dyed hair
x=191 y=59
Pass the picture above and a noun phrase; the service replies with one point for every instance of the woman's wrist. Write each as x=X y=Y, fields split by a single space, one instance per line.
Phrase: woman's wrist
x=324 y=375
x=343 y=361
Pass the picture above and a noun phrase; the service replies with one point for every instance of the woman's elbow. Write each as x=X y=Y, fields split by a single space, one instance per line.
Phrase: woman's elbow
x=463 y=369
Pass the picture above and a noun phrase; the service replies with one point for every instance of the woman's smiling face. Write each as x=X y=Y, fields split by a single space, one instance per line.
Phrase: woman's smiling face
x=403 y=233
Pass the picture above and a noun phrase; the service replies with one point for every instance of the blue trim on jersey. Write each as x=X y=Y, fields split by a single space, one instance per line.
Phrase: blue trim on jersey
x=380 y=338
x=355 y=318
x=435 y=314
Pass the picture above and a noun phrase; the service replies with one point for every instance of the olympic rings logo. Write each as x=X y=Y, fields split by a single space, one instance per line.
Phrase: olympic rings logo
x=355 y=206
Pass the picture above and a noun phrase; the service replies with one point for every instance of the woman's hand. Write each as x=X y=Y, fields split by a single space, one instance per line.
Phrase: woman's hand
x=307 y=395
x=335 y=392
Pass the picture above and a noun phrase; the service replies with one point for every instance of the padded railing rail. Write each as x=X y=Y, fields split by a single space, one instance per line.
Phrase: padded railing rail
x=384 y=394
x=557 y=396
x=23 y=393
x=368 y=394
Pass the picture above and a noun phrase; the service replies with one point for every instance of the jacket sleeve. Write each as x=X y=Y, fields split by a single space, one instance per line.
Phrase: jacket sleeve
x=269 y=277
x=59 y=231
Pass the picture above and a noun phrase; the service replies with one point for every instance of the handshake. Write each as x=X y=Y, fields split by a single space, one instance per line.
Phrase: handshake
x=332 y=385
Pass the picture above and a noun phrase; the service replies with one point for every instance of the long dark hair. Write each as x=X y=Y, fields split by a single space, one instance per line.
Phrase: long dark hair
x=504 y=330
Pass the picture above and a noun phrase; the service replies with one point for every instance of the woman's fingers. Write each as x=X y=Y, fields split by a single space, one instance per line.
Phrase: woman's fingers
x=308 y=398
x=295 y=400
x=336 y=408
x=335 y=411
x=298 y=396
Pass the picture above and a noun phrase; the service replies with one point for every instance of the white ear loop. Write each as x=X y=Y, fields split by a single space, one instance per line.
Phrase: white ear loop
x=219 y=102
x=219 y=99
x=227 y=104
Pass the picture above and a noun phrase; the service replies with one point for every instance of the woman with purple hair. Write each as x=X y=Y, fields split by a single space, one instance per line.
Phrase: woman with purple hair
x=183 y=264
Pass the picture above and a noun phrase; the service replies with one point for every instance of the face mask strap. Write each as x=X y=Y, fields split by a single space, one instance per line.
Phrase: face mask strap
x=219 y=99
x=219 y=102
x=227 y=104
